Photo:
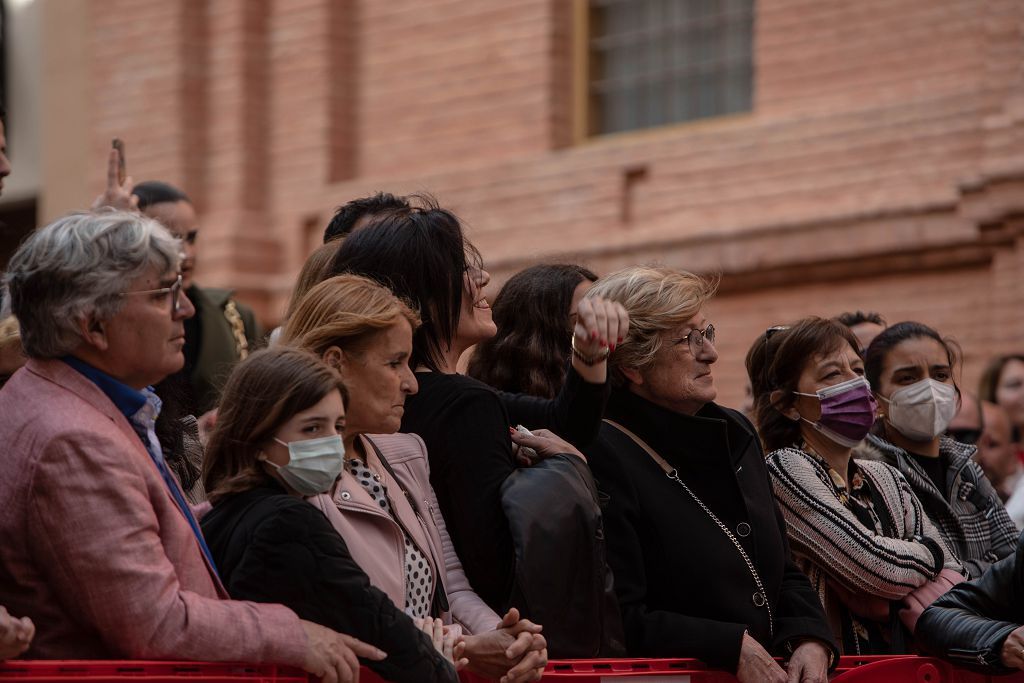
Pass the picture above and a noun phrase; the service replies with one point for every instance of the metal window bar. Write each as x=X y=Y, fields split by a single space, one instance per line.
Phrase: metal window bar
x=655 y=62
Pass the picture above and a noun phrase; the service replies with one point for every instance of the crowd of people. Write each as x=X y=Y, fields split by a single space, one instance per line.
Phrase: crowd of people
x=410 y=479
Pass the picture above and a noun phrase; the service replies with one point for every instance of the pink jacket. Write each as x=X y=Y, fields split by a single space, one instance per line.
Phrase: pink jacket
x=94 y=548
x=377 y=543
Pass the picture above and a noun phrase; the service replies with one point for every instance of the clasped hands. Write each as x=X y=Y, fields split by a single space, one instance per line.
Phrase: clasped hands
x=514 y=652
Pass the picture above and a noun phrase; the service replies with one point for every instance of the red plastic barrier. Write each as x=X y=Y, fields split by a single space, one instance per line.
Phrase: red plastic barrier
x=885 y=669
x=902 y=669
x=658 y=670
x=94 y=671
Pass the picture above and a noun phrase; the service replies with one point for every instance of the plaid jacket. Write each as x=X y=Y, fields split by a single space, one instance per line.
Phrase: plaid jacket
x=969 y=514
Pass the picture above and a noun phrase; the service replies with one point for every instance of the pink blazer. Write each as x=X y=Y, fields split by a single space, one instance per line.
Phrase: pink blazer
x=94 y=548
x=377 y=543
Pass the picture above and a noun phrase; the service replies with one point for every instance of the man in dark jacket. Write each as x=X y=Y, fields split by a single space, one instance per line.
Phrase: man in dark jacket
x=978 y=624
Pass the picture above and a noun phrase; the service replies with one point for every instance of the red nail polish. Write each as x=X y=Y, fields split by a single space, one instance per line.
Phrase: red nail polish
x=593 y=335
x=620 y=340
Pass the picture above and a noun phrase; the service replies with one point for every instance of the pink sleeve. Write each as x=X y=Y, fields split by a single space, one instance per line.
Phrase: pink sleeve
x=99 y=540
x=467 y=608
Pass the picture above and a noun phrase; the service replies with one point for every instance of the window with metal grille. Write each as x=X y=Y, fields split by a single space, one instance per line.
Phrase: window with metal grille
x=655 y=62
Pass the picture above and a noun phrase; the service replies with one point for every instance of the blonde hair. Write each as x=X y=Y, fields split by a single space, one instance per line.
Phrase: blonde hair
x=343 y=311
x=657 y=299
x=314 y=270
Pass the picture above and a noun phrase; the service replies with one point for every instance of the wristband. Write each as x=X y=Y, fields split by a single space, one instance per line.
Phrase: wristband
x=590 y=361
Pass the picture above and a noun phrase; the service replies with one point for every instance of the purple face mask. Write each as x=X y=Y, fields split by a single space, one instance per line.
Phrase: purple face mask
x=847 y=411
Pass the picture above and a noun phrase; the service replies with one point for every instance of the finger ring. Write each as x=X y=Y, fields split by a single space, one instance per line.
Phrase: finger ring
x=1021 y=651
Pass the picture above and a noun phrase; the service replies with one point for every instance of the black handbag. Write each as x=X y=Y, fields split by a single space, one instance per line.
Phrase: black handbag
x=561 y=578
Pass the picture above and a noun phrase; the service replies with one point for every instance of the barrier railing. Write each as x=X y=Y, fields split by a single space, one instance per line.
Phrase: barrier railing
x=900 y=669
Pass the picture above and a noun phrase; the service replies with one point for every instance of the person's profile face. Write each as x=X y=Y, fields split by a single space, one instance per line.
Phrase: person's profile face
x=180 y=220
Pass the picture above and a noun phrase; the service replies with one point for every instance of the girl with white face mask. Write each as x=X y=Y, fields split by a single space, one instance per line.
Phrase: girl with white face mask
x=911 y=369
x=279 y=439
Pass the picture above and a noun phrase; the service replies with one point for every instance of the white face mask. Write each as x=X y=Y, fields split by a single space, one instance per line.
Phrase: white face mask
x=922 y=410
x=314 y=464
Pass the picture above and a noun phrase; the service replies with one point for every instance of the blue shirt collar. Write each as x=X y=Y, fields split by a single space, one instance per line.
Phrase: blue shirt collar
x=128 y=400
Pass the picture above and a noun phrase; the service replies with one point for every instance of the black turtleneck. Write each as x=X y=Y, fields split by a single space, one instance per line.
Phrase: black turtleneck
x=935 y=468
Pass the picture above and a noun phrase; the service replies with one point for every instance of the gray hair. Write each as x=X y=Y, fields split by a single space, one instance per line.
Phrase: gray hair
x=76 y=268
x=658 y=299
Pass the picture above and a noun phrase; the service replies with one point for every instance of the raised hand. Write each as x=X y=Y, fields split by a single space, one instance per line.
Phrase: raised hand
x=117 y=195
x=601 y=325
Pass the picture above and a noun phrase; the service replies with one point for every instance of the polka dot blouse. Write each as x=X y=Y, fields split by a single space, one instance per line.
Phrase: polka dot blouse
x=417 y=570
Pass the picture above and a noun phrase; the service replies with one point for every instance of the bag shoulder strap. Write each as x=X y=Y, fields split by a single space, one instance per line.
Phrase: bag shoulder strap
x=440 y=601
x=386 y=465
x=662 y=463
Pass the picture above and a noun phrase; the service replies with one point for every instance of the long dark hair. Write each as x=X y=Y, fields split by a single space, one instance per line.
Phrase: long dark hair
x=421 y=254
x=530 y=352
x=775 y=362
x=874 y=356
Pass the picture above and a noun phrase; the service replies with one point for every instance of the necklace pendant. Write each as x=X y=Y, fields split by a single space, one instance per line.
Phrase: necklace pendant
x=759 y=600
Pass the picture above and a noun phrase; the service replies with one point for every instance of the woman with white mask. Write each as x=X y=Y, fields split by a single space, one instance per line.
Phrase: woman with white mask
x=911 y=369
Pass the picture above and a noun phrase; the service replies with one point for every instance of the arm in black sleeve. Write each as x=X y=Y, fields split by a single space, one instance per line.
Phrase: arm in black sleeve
x=575 y=414
x=652 y=632
x=477 y=458
x=296 y=558
x=969 y=624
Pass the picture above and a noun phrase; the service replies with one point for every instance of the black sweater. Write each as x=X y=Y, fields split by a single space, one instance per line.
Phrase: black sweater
x=464 y=424
x=272 y=547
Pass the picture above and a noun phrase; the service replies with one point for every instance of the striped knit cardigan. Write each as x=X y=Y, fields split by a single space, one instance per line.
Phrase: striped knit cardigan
x=830 y=544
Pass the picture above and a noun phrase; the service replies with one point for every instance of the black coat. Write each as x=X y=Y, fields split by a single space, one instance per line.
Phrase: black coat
x=683 y=587
x=272 y=547
x=969 y=624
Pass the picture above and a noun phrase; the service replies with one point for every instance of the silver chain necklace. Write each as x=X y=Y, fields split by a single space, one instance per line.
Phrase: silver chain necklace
x=760 y=598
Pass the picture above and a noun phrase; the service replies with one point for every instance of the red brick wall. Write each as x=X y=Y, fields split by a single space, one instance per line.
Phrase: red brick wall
x=882 y=166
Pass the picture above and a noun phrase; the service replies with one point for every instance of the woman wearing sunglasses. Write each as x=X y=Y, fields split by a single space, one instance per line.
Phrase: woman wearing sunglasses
x=854 y=527
x=695 y=541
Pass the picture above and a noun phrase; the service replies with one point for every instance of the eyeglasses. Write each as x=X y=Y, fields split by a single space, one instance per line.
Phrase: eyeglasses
x=695 y=338
x=174 y=290
x=768 y=334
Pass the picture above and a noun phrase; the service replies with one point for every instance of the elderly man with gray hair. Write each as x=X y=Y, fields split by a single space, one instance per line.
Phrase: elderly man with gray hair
x=100 y=548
